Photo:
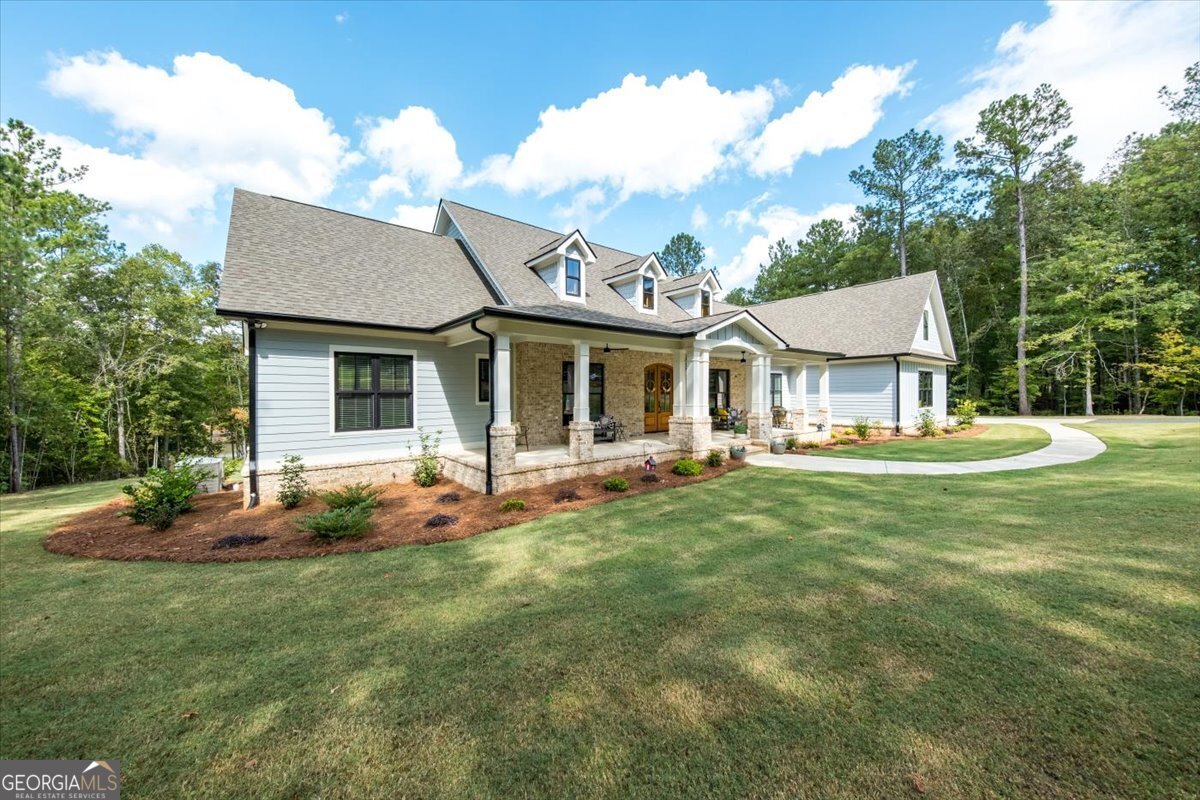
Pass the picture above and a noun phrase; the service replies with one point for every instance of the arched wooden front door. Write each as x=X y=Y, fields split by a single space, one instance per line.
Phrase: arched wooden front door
x=659 y=385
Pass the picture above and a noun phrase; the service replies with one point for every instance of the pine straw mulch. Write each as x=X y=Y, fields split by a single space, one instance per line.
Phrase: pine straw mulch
x=399 y=520
x=887 y=436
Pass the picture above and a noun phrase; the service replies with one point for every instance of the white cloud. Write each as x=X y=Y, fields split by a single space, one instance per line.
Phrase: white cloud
x=699 y=218
x=837 y=118
x=587 y=207
x=415 y=150
x=341 y=18
x=1107 y=59
x=774 y=222
x=635 y=138
x=419 y=217
x=188 y=134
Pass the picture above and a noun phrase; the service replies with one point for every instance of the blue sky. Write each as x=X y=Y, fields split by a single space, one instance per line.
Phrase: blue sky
x=738 y=123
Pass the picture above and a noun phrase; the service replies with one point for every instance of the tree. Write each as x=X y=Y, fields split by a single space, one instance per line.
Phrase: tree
x=810 y=265
x=1174 y=368
x=906 y=180
x=739 y=297
x=1015 y=139
x=682 y=256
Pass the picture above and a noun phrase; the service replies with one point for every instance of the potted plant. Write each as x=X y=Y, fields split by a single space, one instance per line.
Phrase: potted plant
x=740 y=429
x=778 y=447
x=737 y=452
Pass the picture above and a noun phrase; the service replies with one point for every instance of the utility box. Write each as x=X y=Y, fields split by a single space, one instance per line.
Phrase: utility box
x=213 y=470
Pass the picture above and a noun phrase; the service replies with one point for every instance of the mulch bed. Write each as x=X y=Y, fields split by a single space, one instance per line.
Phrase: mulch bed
x=399 y=520
x=887 y=436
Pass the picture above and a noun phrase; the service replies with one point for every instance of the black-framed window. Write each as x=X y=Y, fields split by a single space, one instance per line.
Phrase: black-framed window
x=924 y=388
x=483 y=380
x=372 y=391
x=705 y=303
x=776 y=388
x=925 y=325
x=648 y=291
x=574 y=277
x=595 y=391
x=718 y=389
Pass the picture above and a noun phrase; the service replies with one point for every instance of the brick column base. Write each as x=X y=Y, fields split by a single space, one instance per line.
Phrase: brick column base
x=759 y=426
x=800 y=420
x=581 y=438
x=691 y=435
x=823 y=416
x=504 y=449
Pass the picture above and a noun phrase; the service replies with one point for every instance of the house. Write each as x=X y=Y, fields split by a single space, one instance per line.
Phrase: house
x=537 y=355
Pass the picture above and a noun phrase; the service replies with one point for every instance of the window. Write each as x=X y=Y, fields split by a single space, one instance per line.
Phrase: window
x=483 y=381
x=595 y=391
x=925 y=325
x=648 y=292
x=718 y=389
x=924 y=388
x=372 y=392
x=777 y=388
x=705 y=303
x=574 y=277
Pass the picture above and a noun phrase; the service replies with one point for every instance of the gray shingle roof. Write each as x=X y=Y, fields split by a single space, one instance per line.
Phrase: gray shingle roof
x=870 y=319
x=686 y=281
x=291 y=259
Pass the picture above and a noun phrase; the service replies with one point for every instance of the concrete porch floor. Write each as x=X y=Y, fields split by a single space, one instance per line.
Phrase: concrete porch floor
x=556 y=454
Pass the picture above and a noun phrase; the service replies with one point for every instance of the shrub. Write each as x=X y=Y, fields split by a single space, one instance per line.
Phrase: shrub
x=440 y=521
x=352 y=496
x=967 y=412
x=927 y=423
x=791 y=443
x=616 y=484
x=740 y=428
x=238 y=540
x=650 y=477
x=810 y=445
x=427 y=469
x=233 y=468
x=567 y=495
x=161 y=496
x=715 y=458
x=687 y=467
x=449 y=497
x=862 y=428
x=338 y=523
x=512 y=504
x=293 y=486
x=842 y=440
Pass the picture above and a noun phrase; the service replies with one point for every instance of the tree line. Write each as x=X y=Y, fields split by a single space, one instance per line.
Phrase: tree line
x=113 y=361
x=1064 y=295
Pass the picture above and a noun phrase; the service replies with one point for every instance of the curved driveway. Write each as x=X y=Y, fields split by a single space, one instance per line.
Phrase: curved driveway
x=1067 y=445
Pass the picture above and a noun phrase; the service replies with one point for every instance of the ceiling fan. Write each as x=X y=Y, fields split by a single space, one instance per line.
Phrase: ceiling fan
x=608 y=349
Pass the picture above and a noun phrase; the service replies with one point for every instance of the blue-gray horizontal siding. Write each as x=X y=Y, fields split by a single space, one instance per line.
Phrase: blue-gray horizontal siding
x=856 y=389
x=294 y=414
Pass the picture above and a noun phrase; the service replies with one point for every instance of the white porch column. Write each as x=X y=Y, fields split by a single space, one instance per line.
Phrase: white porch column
x=680 y=404
x=691 y=429
x=759 y=420
x=502 y=381
x=823 y=410
x=800 y=398
x=580 y=435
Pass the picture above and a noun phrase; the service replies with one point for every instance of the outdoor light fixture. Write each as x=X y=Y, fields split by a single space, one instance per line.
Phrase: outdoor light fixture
x=743 y=356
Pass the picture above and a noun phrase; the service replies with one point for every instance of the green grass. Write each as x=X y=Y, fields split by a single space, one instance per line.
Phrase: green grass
x=998 y=441
x=768 y=633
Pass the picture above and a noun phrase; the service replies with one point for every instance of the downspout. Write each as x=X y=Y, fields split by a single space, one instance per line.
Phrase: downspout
x=896 y=394
x=252 y=439
x=487 y=431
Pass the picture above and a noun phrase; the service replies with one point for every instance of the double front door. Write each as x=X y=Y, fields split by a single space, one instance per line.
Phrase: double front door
x=659 y=385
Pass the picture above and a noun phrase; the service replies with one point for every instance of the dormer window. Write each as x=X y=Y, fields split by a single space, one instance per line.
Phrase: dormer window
x=648 y=292
x=574 y=277
x=705 y=302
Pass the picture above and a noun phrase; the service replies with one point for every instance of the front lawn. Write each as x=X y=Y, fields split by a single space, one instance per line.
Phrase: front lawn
x=768 y=633
x=998 y=441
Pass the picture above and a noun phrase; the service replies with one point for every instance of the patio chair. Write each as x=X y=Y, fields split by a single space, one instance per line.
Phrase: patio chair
x=605 y=429
x=779 y=417
x=522 y=434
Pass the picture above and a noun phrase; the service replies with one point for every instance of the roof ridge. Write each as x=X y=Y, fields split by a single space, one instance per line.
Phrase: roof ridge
x=540 y=227
x=343 y=213
x=844 y=288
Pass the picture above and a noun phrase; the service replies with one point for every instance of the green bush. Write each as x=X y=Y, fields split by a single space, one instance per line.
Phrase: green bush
x=338 y=523
x=791 y=443
x=650 y=477
x=687 y=467
x=233 y=468
x=293 y=486
x=715 y=458
x=352 y=496
x=842 y=440
x=512 y=504
x=967 y=412
x=810 y=445
x=927 y=423
x=427 y=469
x=616 y=484
x=161 y=496
x=862 y=428
x=740 y=428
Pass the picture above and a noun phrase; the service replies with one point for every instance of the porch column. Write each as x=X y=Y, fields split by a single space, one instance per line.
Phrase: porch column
x=691 y=431
x=502 y=381
x=680 y=404
x=823 y=410
x=800 y=398
x=580 y=433
x=759 y=419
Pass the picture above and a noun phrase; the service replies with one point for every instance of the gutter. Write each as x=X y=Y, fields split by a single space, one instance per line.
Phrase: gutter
x=487 y=429
x=252 y=455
